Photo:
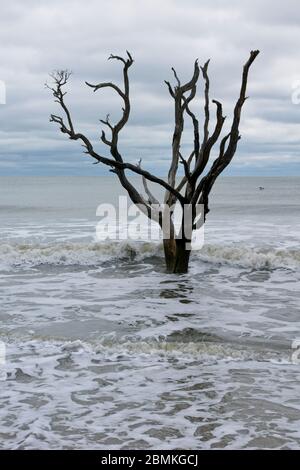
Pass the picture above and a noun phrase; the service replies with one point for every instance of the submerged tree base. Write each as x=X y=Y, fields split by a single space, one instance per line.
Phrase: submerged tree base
x=176 y=256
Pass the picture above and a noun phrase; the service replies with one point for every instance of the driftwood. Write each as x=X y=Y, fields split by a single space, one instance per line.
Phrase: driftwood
x=195 y=186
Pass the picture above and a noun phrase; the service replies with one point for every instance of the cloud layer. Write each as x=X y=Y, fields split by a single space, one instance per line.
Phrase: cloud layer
x=37 y=37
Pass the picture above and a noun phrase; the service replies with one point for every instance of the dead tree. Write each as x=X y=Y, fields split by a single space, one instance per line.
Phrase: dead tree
x=195 y=186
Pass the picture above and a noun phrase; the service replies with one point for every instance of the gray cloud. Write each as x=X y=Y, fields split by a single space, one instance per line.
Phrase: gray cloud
x=38 y=36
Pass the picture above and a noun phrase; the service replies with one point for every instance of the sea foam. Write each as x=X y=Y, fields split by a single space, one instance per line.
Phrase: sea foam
x=94 y=254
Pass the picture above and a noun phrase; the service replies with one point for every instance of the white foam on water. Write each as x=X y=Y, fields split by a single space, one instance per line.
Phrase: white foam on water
x=251 y=257
x=89 y=253
x=145 y=395
x=68 y=253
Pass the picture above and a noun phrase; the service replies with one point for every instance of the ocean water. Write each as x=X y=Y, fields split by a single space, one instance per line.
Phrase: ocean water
x=106 y=350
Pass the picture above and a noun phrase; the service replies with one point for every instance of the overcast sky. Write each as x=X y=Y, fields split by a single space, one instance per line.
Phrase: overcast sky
x=39 y=36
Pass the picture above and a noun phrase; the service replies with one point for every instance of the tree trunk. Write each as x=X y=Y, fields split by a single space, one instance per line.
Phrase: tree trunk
x=182 y=258
x=170 y=253
x=176 y=256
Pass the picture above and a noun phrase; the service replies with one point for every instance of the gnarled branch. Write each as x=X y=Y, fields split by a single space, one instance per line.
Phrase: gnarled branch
x=60 y=79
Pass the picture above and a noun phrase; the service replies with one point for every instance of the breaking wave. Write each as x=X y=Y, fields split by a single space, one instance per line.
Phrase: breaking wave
x=248 y=257
x=69 y=253
x=94 y=254
x=113 y=348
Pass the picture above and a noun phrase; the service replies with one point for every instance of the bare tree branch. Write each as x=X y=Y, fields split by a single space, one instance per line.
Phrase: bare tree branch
x=184 y=180
x=206 y=148
x=171 y=91
x=186 y=167
x=225 y=156
x=152 y=199
x=106 y=85
x=206 y=104
x=179 y=125
x=106 y=122
x=196 y=130
x=176 y=76
x=60 y=79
